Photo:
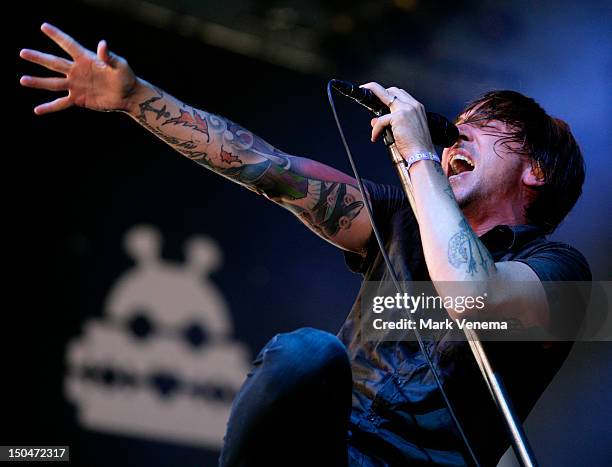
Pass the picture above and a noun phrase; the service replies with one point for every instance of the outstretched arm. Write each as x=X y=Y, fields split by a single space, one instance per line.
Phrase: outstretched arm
x=323 y=198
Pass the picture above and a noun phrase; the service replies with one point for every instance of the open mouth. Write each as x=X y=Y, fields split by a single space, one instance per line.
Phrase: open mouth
x=460 y=162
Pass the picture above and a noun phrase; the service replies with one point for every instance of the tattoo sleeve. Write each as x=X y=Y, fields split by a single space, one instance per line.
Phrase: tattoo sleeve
x=324 y=199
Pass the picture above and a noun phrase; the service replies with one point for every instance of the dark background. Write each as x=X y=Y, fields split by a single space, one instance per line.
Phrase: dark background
x=76 y=181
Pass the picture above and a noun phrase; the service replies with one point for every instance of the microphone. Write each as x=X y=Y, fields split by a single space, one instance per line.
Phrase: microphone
x=443 y=132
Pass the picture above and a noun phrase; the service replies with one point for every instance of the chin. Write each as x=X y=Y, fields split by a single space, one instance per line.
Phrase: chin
x=458 y=191
x=464 y=197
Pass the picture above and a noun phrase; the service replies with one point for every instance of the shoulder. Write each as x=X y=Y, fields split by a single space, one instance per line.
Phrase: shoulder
x=554 y=261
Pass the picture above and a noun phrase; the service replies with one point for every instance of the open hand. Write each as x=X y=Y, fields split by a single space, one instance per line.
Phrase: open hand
x=98 y=81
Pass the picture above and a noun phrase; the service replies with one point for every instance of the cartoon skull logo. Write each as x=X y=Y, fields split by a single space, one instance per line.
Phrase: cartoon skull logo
x=160 y=363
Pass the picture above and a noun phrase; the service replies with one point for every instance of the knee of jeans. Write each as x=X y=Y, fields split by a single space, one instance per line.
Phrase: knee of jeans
x=308 y=351
x=301 y=354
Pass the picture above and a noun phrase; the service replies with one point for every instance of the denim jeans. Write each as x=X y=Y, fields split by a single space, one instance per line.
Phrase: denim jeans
x=294 y=407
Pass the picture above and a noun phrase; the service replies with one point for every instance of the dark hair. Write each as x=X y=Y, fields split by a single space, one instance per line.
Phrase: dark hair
x=547 y=141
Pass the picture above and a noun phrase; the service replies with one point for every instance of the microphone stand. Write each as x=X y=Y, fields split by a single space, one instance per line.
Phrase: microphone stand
x=518 y=438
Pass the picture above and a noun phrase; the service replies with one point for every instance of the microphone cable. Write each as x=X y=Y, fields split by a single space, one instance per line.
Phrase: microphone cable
x=381 y=246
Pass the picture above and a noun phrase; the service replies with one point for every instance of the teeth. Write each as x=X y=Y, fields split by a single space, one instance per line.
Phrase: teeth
x=462 y=158
x=452 y=166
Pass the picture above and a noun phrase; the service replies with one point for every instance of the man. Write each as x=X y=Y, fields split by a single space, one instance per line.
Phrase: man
x=483 y=209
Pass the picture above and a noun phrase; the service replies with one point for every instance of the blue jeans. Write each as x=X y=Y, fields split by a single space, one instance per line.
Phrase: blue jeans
x=294 y=407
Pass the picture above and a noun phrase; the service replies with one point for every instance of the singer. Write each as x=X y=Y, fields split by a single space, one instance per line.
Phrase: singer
x=484 y=209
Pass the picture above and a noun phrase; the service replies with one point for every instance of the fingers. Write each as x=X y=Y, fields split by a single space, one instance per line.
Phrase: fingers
x=50 y=84
x=61 y=65
x=380 y=92
x=387 y=95
x=72 y=47
x=53 y=106
x=102 y=52
x=402 y=95
x=105 y=56
x=378 y=126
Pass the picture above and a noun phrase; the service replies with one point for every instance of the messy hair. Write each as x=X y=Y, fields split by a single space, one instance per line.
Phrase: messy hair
x=549 y=144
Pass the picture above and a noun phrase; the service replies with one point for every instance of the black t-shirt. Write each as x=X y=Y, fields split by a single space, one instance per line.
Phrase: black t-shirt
x=398 y=416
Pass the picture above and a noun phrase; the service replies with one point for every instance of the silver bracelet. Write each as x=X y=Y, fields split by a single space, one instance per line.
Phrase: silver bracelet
x=421 y=156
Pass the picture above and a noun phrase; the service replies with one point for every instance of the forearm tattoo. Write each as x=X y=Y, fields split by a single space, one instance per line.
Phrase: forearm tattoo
x=232 y=151
x=464 y=248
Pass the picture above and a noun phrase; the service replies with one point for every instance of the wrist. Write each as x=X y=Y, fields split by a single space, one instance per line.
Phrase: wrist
x=417 y=156
x=135 y=96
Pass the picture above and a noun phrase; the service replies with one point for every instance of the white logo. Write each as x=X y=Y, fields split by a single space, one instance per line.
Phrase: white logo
x=160 y=363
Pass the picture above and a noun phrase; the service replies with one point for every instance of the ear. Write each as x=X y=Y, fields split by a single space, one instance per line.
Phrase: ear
x=533 y=175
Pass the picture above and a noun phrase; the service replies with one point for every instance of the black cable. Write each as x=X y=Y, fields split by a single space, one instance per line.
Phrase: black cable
x=419 y=339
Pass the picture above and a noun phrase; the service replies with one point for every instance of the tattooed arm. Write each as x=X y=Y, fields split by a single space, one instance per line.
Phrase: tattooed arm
x=454 y=254
x=324 y=199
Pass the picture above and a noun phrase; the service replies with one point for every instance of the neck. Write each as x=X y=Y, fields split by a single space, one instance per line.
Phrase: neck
x=482 y=220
